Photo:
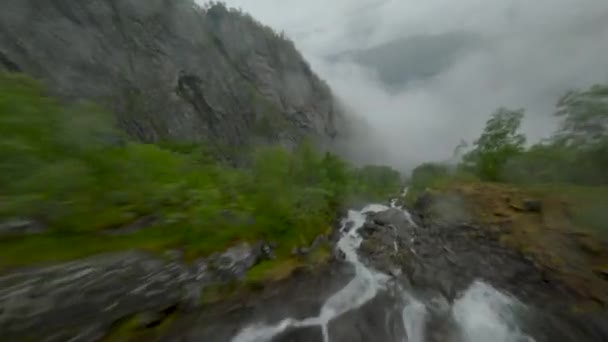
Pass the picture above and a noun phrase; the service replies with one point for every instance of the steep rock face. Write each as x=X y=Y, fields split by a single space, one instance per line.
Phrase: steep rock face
x=83 y=300
x=170 y=69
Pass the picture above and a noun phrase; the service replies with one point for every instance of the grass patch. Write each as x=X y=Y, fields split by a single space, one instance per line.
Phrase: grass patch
x=320 y=255
x=273 y=270
x=217 y=292
x=51 y=248
x=561 y=238
x=437 y=177
x=266 y=272
x=283 y=267
x=130 y=329
x=587 y=205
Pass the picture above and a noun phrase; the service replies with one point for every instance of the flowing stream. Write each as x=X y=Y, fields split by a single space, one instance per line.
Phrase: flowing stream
x=481 y=314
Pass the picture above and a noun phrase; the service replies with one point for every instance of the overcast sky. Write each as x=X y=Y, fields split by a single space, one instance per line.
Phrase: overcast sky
x=530 y=51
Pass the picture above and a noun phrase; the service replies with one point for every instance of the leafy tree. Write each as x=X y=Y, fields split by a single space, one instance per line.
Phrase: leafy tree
x=377 y=181
x=585 y=116
x=426 y=174
x=499 y=142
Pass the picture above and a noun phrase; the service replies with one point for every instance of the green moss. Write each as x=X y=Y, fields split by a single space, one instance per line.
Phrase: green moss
x=320 y=255
x=129 y=329
x=587 y=205
x=273 y=270
x=283 y=267
x=123 y=330
x=218 y=292
x=55 y=247
x=437 y=177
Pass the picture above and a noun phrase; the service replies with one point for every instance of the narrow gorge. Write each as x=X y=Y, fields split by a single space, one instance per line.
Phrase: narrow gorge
x=170 y=171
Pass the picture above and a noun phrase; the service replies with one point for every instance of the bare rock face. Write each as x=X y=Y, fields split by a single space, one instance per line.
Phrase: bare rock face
x=233 y=263
x=81 y=297
x=443 y=257
x=20 y=227
x=81 y=300
x=170 y=69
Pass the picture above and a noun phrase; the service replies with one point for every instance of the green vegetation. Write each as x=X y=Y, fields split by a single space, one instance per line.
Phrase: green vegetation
x=272 y=270
x=499 y=142
x=69 y=169
x=572 y=164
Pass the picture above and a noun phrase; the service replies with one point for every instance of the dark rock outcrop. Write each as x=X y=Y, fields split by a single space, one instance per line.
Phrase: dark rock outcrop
x=20 y=227
x=443 y=257
x=84 y=299
x=170 y=69
x=234 y=263
x=300 y=335
x=305 y=250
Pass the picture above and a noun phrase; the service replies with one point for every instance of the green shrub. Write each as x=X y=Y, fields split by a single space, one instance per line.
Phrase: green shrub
x=499 y=142
x=69 y=168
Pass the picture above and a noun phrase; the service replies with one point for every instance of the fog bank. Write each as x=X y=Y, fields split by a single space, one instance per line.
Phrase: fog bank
x=521 y=54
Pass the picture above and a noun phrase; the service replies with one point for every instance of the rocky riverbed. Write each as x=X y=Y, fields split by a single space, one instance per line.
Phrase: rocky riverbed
x=396 y=275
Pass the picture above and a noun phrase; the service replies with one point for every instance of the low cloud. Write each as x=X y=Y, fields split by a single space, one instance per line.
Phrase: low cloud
x=529 y=53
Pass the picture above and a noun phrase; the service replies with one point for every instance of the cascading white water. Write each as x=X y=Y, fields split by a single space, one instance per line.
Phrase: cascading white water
x=414 y=318
x=362 y=288
x=481 y=313
x=485 y=314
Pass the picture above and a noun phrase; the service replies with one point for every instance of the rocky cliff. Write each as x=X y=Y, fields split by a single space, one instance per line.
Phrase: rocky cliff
x=170 y=69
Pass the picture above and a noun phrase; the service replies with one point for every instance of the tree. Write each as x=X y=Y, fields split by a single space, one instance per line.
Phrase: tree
x=499 y=142
x=585 y=116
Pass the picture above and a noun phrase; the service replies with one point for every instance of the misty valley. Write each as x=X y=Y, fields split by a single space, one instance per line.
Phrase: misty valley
x=284 y=171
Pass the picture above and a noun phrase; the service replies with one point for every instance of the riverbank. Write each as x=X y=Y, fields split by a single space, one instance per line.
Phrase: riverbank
x=470 y=247
x=547 y=224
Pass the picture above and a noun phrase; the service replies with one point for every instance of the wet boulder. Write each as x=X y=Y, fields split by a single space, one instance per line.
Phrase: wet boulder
x=305 y=250
x=81 y=300
x=392 y=216
x=532 y=205
x=19 y=227
x=305 y=334
x=234 y=263
x=369 y=228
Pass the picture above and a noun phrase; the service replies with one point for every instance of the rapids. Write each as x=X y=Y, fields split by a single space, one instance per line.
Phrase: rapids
x=480 y=314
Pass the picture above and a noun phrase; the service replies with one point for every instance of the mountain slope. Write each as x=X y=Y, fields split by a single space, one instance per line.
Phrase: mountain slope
x=170 y=70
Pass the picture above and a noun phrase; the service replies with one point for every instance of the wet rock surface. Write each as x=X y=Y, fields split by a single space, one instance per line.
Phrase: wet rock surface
x=84 y=299
x=378 y=320
x=438 y=262
x=300 y=335
x=434 y=260
x=445 y=255
x=305 y=250
x=301 y=295
x=93 y=293
x=233 y=263
x=20 y=227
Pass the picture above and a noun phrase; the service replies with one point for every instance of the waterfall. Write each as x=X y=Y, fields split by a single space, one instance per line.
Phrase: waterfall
x=480 y=314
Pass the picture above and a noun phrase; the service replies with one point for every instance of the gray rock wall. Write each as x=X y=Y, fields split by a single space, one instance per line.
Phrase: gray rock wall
x=169 y=69
x=83 y=300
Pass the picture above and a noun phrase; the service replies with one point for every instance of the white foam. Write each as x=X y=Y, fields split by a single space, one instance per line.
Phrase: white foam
x=485 y=314
x=481 y=314
x=414 y=320
x=362 y=288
